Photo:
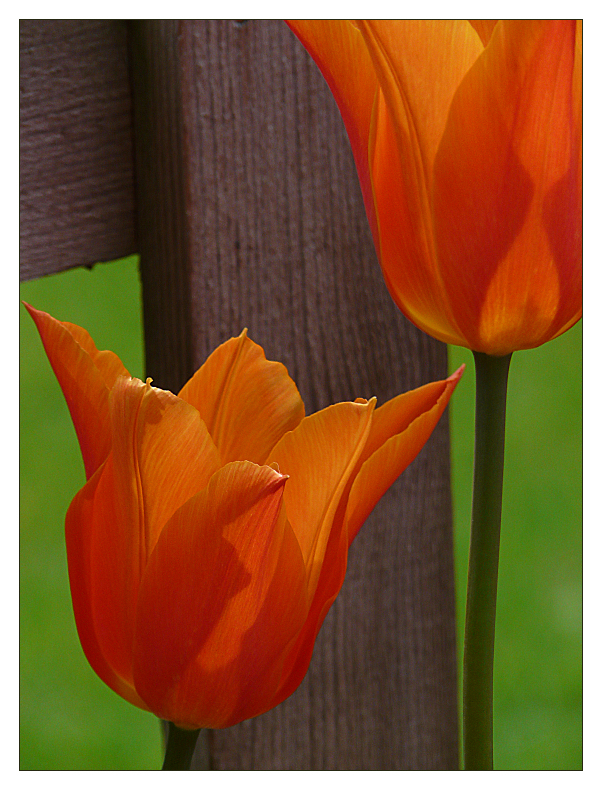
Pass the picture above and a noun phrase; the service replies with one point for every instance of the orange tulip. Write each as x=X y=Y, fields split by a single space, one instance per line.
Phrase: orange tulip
x=467 y=141
x=211 y=537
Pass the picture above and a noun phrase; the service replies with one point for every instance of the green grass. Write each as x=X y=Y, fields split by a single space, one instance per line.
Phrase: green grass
x=71 y=720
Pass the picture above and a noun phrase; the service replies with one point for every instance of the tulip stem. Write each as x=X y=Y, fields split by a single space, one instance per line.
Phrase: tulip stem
x=492 y=381
x=179 y=748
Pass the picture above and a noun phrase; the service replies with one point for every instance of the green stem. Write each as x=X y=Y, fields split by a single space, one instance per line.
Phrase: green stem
x=492 y=381
x=179 y=749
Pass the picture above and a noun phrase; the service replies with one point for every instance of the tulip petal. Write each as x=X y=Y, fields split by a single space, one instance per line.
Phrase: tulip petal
x=398 y=432
x=563 y=210
x=107 y=362
x=223 y=595
x=328 y=587
x=340 y=53
x=85 y=375
x=246 y=401
x=160 y=442
x=419 y=64
x=78 y=534
x=320 y=456
x=162 y=455
x=484 y=28
x=506 y=192
x=407 y=251
x=400 y=428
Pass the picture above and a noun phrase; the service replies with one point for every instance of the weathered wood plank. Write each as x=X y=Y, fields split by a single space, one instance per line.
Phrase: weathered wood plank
x=76 y=164
x=250 y=214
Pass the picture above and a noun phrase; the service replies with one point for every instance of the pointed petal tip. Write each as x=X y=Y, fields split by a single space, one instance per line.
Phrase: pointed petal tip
x=278 y=481
x=457 y=375
x=369 y=404
x=274 y=479
x=39 y=315
x=31 y=310
x=276 y=469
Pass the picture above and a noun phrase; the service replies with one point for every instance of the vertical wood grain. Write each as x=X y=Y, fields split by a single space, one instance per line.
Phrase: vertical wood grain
x=250 y=214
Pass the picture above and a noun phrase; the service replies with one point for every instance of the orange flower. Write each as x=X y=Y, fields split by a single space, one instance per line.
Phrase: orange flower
x=211 y=537
x=467 y=141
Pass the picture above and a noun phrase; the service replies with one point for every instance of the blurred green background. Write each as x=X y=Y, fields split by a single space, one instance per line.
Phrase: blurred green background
x=71 y=720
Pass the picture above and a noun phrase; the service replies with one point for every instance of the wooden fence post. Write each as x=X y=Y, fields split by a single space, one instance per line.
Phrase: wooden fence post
x=76 y=175
x=249 y=213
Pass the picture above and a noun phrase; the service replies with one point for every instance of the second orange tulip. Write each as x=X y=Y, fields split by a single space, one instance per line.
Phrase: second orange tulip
x=467 y=140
